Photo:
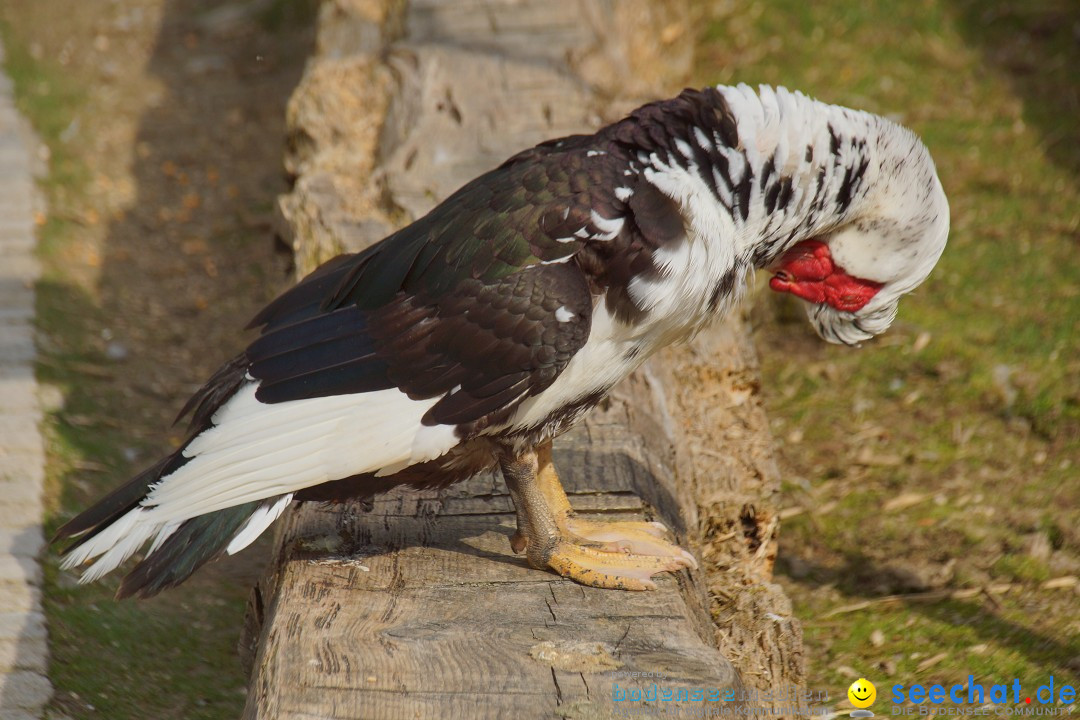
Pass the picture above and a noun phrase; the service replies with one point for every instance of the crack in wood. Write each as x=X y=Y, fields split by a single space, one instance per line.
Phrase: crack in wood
x=548 y=603
x=620 y=641
x=558 y=689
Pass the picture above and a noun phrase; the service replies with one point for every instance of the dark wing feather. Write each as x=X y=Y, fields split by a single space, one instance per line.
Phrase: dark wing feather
x=524 y=212
x=118 y=502
x=442 y=303
x=484 y=346
x=307 y=297
x=461 y=303
x=219 y=388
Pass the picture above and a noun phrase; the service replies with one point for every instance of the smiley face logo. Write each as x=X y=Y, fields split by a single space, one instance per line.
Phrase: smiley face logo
x=862 y=693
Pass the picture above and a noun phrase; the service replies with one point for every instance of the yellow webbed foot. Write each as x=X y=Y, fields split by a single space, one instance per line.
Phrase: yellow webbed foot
x=637 y=538
x=608 y=554
x=617 y=571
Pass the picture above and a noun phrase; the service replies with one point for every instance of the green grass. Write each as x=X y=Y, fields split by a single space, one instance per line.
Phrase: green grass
x=985 y=417
x=175 y=657
x=991 y=89
x=164 y=643
x=49 y=98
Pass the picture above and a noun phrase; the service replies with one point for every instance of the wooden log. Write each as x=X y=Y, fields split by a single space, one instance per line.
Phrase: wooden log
x=416 y=608
x=413 y=605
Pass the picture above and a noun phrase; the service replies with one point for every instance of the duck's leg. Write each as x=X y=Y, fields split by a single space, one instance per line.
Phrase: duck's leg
x=623 y=555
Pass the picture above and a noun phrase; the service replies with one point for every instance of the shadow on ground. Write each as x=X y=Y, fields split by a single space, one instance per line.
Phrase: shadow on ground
x=1036 y=46
x=182 y=269
x=861 y=577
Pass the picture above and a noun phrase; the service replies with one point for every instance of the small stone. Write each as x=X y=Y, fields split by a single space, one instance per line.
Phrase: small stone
x=1074 y=664
x=903 y=501
x=877 y=638
x=672 y=32
x=797 y=568
x=931 y=661
x=1002 y=380
x=110 y=70
x=205 y=64
x=68 y=134
x=1037 y=546
x=228 y=18
x=116 y=351
x=51 y=398
x=1061 y=583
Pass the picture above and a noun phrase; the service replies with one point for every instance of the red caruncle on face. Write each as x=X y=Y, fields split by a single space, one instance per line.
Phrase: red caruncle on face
x=807 y=271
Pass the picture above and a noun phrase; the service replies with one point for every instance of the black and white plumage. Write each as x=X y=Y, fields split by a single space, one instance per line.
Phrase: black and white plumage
x=489 y=326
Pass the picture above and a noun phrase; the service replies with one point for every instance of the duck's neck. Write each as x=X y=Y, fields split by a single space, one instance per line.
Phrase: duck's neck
x=758 y=171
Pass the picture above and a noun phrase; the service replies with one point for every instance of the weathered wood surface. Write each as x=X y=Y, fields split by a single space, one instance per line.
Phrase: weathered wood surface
x=417 y=608
x=414 y=606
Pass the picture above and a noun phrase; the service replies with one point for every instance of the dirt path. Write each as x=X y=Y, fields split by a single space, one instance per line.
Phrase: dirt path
x=165 y=119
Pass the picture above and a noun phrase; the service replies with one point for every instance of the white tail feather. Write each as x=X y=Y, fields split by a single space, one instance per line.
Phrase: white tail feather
x=257 y=523
x=165 y=533
x=124 y=537
x=103 y=541
x=258 y=451
x=113 y=545
x=120 y=552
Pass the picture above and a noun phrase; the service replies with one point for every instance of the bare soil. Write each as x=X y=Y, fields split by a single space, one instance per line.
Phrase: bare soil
x=165 y=121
